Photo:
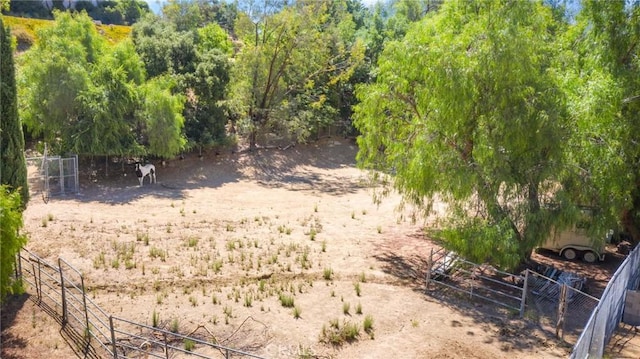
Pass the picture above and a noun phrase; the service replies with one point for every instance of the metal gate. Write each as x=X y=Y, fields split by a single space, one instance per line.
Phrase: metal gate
x=52 y=175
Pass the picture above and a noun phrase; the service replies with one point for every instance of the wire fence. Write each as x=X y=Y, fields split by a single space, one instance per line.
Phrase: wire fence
x=553 y=298
x=604 y=320
x=59 y=290
x=555 y=301
x=52 y=175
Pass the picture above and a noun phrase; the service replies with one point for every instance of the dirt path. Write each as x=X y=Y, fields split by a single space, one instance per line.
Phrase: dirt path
x=217 y=240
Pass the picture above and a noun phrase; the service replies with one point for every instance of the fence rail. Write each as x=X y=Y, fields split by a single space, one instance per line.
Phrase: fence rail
x=59 y=290
x=554 y=300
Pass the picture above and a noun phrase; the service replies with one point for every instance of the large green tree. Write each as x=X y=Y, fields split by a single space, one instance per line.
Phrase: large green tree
x=81 y=94
x=466 y=110
x=198 y=62
x=289 y=62
x=13 y=169
x=162 y=114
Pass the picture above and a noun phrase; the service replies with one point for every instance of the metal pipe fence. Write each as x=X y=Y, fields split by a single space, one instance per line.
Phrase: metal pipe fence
x=60 y=291
x=555 y=301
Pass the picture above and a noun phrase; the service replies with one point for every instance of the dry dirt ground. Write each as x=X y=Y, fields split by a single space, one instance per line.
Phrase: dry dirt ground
x=218 y=237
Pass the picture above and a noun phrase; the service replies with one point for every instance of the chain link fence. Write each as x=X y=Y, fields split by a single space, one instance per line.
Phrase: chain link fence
x=52 y=175
x=604 y=320
x=555 y=301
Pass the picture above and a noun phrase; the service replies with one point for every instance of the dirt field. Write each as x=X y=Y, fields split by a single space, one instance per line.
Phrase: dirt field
x=215 y=241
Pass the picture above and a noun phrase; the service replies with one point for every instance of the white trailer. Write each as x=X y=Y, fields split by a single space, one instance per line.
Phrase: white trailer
x=575 y=243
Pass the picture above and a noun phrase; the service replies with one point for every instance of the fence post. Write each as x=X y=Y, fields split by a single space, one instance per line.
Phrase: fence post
x=562 y=309
x=86 y=311
x=64 y=299
x=166 y=345
x=18 y=266
x=36 y=281
x=525 y=289
x=113 y=338
x=76 y=180
x=61 y=170
x=429 y=267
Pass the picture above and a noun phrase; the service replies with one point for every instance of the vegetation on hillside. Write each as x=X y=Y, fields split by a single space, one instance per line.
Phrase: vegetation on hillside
x=25 y=30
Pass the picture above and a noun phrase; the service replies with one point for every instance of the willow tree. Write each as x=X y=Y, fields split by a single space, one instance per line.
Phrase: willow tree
x=466 y=110
x=161 y=115
x=288 y=61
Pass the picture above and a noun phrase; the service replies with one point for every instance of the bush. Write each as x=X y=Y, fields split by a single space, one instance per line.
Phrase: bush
x=10 y=240
x=337 y=334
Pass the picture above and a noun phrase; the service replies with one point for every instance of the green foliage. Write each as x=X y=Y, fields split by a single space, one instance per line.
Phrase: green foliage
x=601 y=76
x=212 y=36
x=13 y=168
x=287 y=301
x=197 y=60
x=466 y=109
x=285 y=69
x=338 y=334
x=92 y=110
x=11 y=241
x=162 y=114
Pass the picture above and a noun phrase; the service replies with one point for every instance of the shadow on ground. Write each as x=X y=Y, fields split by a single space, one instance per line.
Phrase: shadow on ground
x=12 y=344
x=302 y=167
x=513 y=333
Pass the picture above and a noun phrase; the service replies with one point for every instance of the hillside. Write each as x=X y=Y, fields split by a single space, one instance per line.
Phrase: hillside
x=25 y=30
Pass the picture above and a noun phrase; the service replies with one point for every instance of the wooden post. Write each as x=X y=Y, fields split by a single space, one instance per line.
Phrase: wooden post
x=525 y=288
x=429 y=267
x=562 y=309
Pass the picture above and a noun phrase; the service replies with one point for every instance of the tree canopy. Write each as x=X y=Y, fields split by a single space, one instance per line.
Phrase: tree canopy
x=285 y=69
x=100 y=104
x=466 y=110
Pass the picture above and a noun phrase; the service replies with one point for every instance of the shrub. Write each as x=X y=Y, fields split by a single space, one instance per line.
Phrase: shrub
x=336 y=334
x=286 y=300
x=327 y=274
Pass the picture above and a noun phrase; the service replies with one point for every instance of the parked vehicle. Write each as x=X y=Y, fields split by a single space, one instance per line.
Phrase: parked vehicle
x=575 y=243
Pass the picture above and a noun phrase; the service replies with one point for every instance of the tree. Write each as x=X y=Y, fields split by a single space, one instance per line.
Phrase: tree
x=184 y=14
x=197 y=60
x=212 y=36
x=205 y=116
x=101 y=103
x=106 y=121
x=13 y=168
x=287 y=64
x=162 y=115
x=601 y=76
x=466 y=110
x=10 y=239
x=61 y=60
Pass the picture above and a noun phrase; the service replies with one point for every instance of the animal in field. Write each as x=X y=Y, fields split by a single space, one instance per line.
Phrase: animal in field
x=146 y=170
